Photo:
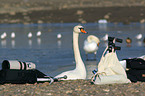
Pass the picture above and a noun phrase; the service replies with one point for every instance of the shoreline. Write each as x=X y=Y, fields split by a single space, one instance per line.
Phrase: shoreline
x=124 y=15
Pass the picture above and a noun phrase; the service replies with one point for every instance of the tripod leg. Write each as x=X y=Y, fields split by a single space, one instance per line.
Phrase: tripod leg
x=87 y=57
x=95 y=55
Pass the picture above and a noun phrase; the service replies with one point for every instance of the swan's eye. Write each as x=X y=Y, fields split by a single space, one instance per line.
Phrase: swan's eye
x=81 y=28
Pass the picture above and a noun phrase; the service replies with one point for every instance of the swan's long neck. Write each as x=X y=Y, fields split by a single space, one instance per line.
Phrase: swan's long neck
x=78 y=59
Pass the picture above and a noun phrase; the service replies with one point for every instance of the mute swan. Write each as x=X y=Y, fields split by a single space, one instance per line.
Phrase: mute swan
x=139 y=36
x=80 y=71
x=13 y=35
x=91 y=45
x=38 y=34
x=29 y=35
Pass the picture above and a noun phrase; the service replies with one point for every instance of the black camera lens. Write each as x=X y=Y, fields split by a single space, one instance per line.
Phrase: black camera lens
x=117 y=48
x=119 y=40
x=111 y=38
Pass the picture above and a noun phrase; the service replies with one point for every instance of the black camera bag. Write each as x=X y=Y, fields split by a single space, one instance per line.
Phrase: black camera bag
x=136 y=63
x=136 y=75
x=18 y=76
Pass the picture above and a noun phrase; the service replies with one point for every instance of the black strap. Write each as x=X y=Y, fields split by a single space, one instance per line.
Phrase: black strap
x=24 y=66
x=20 y=65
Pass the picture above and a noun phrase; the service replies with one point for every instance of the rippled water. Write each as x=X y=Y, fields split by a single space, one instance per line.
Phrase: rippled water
x=53 y=56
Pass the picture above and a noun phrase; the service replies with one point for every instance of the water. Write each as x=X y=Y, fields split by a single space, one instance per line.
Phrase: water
x=53 y=56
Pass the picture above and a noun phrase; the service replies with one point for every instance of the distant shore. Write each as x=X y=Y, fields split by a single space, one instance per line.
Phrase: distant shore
x=77 y=15
x=70 y=11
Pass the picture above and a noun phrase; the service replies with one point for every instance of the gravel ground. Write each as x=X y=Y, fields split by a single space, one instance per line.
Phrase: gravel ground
x=73 y=88
x=62 y=11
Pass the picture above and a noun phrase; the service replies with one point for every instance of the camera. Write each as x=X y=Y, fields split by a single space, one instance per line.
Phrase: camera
x=111 y=43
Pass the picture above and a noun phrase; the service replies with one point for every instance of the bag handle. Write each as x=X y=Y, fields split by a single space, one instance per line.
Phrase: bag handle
x=97 y=75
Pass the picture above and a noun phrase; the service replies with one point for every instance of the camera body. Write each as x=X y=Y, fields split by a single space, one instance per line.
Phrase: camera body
x=111 y=43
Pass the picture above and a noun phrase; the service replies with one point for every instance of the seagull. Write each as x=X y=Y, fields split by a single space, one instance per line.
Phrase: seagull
x=139 y=36
x=102 y=21
x=59 y=36
x=13 y=35
x=4 y=35
x=38 y=34
x=29 y=35
x=105 y=38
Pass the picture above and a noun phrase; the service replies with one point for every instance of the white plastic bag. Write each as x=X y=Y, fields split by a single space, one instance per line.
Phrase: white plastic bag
x=110 y=70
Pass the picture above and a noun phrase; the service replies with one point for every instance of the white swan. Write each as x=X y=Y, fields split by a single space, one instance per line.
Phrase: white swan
x=91 y=45
x=80 y=71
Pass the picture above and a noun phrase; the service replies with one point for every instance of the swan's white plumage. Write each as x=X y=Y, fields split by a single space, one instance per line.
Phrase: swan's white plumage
x=80 y=71
x=91 y=44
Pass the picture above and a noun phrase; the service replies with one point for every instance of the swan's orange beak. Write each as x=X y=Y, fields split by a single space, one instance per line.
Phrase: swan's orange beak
x=98 y=44
x=83 y=31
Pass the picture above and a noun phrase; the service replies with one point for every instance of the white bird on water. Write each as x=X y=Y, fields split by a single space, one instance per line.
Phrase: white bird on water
x=138 y=36
x=38 y=34
x=59 y=36
x=91 y=45
x=80 y=71
x=105 y=38
x=30 y=35
x=4 y=35
x=13 y=35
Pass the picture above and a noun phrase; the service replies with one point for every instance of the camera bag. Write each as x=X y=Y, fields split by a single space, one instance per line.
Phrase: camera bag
x=136 y=69
x=18 y=76
x=136 y=75
x=135 y=63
